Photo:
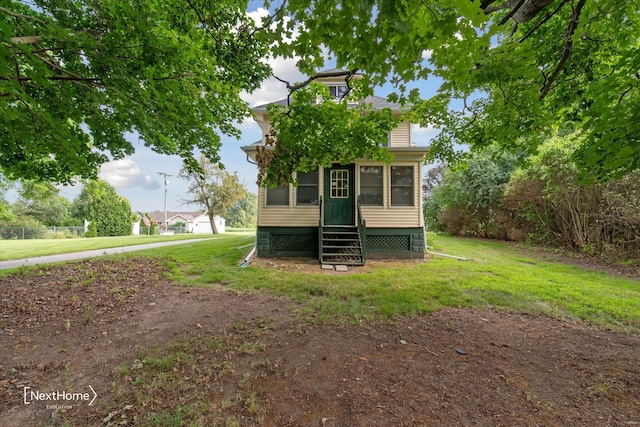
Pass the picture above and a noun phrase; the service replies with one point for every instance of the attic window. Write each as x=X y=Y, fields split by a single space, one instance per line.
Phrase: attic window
x=338 y=91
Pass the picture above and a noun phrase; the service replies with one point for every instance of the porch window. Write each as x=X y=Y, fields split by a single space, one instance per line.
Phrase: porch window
x=340 y=184
x=402 y=185
x=307 y=190
x=278 y=196
x=371 y=185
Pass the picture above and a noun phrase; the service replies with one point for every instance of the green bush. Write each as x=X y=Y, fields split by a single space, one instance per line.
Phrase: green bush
x=92 y=231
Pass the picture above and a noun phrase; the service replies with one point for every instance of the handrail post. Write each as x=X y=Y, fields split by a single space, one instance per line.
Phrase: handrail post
x=320 y=230
x=362 y=229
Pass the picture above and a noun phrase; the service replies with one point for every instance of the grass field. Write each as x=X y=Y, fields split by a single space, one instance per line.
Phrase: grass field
x=498 y=275
x=19 y=249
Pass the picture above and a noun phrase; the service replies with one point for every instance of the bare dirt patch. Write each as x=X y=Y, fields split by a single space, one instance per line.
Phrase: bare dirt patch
x=162 y=354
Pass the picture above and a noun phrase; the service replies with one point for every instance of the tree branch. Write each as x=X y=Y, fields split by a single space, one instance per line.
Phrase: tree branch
x=56 y=78
x=571 y=28
x=271 y=18
x=19 y=15
x=174 y=77
x=338 y=73
x=628 y=90
x=26 y=39
x=519 y=10
x=201 y=18
x=512 y=12
x=543 y=20
x=51 y=62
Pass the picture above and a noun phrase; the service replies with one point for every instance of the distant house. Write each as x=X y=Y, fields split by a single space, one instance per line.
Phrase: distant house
x=195 y=222
x=344 y=213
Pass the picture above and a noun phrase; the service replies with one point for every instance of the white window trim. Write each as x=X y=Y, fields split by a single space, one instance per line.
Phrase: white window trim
x=413 y=194
x=359 y=183
x=266 y=199
x=307 y=205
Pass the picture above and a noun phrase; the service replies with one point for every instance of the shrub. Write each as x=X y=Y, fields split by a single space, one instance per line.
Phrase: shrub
x=92 y=231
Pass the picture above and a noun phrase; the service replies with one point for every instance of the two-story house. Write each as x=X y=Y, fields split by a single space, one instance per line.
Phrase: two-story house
x=346 y=213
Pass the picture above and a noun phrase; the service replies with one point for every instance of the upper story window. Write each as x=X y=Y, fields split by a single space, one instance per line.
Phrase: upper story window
x=402 y=180
x=278 y=196
x=371 y=185
x=338 y=91
x=307 y=190
x=387 y=143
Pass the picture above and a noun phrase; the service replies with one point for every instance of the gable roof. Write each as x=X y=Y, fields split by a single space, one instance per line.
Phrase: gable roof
x=188 y=216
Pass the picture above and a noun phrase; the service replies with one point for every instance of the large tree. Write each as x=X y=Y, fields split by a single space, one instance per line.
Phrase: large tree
x=99 y=203
x=213 y=189
x=77 y=76
x=512 y=71
x=43 y=202
x=5 y=211
x=244 y=213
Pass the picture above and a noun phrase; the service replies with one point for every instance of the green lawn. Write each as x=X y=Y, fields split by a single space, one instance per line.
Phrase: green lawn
x=19 y=249
x=500 y=275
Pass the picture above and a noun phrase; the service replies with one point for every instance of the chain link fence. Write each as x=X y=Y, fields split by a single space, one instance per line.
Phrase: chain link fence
x=40 y=232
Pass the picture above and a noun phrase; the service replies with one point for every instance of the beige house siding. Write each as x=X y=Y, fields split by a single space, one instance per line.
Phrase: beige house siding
x=401 y=135
x=385 y=216
x=388 y=216
x=288 y=216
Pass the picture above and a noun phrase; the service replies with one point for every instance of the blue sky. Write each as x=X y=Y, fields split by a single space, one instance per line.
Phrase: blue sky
x=136 y=177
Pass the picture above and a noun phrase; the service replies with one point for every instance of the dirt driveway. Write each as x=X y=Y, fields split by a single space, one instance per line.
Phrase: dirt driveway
x=162 y=354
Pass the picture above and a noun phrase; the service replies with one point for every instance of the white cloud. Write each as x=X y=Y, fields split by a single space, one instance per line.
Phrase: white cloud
x=284 y=68
x=271 y=89
x=124 y=173
x=422 y=136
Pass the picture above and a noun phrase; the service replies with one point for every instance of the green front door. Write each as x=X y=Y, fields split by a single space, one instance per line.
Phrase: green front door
x=338 y=195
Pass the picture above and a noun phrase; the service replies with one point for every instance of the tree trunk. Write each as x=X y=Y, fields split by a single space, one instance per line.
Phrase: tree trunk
x=214 y=227
x=519 y=10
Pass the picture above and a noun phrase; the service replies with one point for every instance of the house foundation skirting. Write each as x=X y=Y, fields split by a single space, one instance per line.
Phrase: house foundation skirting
x=379 y=243
x=287 y=242
x=385 y=243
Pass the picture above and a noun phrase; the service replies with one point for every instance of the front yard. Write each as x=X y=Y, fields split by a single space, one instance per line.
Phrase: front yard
x=183 y=336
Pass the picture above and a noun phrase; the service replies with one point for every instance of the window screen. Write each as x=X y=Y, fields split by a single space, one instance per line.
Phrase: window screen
x=307 y=190
x=371 y=185
x=401 y=185
x=278 y=196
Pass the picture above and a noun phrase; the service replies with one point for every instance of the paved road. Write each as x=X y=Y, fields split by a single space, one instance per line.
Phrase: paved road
x=90 y=254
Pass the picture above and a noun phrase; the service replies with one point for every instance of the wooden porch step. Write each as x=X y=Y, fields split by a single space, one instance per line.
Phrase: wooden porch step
x=341 y=245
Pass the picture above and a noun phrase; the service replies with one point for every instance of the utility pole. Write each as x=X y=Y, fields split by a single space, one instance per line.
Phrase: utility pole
x=165 y=175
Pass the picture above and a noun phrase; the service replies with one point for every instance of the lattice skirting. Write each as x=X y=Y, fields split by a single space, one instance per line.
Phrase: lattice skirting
x=303 y=241
x=287 y=241
x=293 y=242
x=394 y=243
x=388 y=243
